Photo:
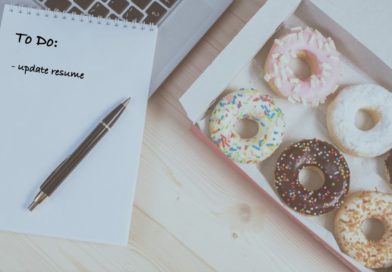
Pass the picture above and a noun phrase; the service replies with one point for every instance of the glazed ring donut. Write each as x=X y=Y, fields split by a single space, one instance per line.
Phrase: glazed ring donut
x=374 y=99
x=318 y=52
x=325 y=157
x=348 y=222
x=247 y=104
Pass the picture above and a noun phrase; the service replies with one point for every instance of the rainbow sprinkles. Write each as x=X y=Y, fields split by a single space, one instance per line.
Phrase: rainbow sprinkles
x=252 y=105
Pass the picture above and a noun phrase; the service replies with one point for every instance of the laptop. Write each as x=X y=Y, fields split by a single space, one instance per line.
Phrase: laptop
x=181 y=23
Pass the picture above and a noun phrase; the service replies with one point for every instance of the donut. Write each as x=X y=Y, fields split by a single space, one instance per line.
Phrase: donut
x=388 y=166
x=251 y=105
x=318 y=52
x=348 y=221
x=322 y=156
x=375 y=100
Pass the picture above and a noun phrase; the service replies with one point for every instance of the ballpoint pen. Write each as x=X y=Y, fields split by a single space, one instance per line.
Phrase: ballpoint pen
x=70 y=163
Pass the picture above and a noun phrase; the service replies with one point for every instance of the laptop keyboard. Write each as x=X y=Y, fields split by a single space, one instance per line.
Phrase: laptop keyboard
x=147 y=11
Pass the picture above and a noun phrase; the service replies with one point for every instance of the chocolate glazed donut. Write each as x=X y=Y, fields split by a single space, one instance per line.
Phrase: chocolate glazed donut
x=328 y=160
x=388 y=165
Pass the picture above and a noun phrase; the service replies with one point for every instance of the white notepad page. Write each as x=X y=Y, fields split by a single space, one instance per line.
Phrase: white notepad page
x=45 y=114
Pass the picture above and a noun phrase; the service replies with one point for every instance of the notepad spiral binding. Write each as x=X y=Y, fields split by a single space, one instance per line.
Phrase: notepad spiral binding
x=23 y=9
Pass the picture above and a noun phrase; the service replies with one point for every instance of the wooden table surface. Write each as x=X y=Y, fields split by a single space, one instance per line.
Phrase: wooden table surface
x=192 y=211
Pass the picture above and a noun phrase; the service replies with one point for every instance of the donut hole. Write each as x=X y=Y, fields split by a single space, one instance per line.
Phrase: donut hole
x=302 y=65
x=373 y=229
x=366 y=119
x=311 y=177
x=246 y=128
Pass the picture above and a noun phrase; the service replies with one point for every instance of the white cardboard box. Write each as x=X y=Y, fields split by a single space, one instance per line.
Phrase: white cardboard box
x=240 y=65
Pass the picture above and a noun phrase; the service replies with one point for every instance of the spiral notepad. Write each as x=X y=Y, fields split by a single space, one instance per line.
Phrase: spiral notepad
x=59 y=75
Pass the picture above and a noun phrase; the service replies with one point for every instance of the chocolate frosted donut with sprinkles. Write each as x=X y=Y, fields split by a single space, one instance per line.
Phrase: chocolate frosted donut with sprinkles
x=388 y=165
x=325 y=157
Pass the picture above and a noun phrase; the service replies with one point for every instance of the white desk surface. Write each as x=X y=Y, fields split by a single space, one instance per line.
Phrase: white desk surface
x=192 y=211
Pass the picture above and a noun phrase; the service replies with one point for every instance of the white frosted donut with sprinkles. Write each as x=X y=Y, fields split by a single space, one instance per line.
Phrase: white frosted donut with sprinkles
x=341 y=113
x=318 y=52
x=349 y=219
x=251 y=105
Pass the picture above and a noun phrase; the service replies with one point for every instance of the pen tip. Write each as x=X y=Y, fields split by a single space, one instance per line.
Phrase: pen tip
x=33 y=205
x=37 y=200
x=126 y=101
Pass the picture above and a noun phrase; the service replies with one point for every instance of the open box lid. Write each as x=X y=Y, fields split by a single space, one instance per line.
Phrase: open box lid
x=239 y=51
x=351 y=15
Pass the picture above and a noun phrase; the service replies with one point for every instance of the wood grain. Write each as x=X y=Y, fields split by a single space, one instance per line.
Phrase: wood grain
x=192 y=212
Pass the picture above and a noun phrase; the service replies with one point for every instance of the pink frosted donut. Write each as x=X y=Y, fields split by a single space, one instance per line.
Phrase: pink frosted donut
x=318 y=52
